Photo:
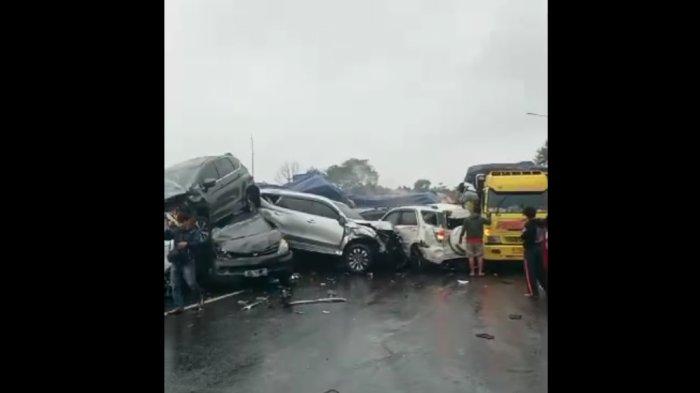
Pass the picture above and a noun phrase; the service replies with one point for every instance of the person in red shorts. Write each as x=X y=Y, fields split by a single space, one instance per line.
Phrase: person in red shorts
x=473 y=230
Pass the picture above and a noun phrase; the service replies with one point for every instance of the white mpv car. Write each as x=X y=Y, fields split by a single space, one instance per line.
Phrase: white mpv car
x=424 y=233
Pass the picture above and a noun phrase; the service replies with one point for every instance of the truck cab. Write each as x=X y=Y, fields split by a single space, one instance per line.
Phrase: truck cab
x=504 y=195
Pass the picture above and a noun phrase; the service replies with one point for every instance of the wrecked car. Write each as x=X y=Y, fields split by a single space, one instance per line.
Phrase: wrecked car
x=220 y=186
x=250 y=247
x=166 y=283
x=424 y=236
x=317 y=224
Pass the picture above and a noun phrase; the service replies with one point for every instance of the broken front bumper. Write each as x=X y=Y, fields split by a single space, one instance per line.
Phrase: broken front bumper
x=275 y=264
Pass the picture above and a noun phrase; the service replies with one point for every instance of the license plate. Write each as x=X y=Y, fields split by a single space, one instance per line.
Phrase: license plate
x=255 y=273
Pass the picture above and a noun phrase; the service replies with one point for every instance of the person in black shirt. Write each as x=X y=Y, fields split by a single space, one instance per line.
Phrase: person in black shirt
x=187 y=237
x=533 y=235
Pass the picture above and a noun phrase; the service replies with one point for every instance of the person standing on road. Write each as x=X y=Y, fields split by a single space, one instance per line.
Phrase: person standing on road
x=533 y=237
x=187 y=238
x=473 y=230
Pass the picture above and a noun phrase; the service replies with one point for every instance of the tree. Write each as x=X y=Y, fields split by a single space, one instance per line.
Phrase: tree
x=286 y=172
x=541 y=157
x=421 y=185
x=353 y=173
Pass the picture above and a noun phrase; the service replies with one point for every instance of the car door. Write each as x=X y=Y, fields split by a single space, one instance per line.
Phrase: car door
x=229 y=191
x=212 y=194
x=324 y=227
x=406 y=226
x=292 y=216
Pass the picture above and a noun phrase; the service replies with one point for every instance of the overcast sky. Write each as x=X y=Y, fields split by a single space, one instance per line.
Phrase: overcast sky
x=423 y=89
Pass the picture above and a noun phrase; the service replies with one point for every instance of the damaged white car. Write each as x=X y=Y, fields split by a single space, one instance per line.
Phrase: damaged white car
x=424 y=233
x=317 y=224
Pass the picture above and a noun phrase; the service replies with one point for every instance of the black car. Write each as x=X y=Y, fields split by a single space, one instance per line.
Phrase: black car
x=220 y=187
x=250 y=247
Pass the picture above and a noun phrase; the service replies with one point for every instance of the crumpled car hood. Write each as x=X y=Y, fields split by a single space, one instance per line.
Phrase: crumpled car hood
x=172 y=189
x=378 y=225
x=245 y=237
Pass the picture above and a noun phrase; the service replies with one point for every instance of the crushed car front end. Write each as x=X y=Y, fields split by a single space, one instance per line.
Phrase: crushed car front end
x=249 y=248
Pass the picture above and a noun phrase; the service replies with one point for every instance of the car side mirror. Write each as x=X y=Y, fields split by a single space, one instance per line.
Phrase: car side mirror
x=208 y=183
x=342 y=221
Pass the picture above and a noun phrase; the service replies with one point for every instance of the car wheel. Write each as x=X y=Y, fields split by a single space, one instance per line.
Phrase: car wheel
x=252 y=199
x=418 y=262
x=358 y=257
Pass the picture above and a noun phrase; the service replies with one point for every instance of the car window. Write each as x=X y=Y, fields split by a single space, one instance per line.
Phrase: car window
x=392 y=217
x=224 y=166
x=430 y=218
x=300 y=205
x=209 y=172
x=323 y=210
x=234 y=163
x=408 y=217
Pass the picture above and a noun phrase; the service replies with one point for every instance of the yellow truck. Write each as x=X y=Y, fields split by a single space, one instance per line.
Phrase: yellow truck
x=504 y=194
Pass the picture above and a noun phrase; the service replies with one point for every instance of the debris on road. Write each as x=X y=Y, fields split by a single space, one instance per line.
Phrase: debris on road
x=515 y=316
x=251 y=305
x=322 y=300
x=462 y=282
x=486 y=336
x=196 y=306
x=326 y=312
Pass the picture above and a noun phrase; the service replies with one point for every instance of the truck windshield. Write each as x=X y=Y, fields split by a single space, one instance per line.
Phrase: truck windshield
x=515 y=202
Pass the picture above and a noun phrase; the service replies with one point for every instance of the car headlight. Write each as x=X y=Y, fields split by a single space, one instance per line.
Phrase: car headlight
x=493 y=239
x=487 y=232
x=284 y=247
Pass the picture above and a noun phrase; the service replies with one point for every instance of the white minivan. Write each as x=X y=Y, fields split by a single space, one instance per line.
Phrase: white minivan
x=424 y=233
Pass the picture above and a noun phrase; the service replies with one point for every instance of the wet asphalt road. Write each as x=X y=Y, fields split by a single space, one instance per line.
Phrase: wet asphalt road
x=398 y=333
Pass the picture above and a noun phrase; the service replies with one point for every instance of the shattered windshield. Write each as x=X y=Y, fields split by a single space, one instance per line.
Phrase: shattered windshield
x=349 y=213
x=183 y=174
x=515 y=202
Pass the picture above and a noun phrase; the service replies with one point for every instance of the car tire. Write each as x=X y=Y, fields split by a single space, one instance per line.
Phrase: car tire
x=252 y=199
x=417 y=261
x=358 y=257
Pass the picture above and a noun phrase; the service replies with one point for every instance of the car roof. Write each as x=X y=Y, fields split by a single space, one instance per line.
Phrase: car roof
x=305 y=195
x=198 y=161
x=415 y=207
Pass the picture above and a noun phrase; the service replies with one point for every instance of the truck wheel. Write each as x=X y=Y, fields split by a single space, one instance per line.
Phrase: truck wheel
x=418 y=262
x=358 y=257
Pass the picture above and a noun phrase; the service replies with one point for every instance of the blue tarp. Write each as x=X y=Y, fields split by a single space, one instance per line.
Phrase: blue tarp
x=315 y=183
x=414 y=198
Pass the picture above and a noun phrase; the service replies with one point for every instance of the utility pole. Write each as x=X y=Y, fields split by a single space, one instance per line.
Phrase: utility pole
x=252 y=155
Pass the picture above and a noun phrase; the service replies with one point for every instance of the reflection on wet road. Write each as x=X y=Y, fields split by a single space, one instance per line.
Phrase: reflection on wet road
x=397 y=333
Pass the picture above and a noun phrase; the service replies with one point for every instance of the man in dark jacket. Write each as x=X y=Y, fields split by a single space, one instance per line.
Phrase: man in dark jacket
x=533 y=236
x=187 y=238
x=473 y=230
